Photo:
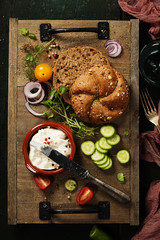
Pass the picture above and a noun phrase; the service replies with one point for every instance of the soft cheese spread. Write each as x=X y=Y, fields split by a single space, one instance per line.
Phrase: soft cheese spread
x=54 y=138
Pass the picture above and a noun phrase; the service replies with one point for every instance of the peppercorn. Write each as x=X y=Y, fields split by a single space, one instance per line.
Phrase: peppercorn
x=57 y=186
x=55 y=55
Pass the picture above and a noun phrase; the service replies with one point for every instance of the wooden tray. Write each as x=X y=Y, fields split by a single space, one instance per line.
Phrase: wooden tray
x=23 y=194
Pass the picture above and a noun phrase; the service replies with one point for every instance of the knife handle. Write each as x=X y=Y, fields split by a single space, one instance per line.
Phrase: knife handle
x=117 y=194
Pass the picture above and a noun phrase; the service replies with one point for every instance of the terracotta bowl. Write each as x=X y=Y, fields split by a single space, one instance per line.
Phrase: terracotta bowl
x=28 y=137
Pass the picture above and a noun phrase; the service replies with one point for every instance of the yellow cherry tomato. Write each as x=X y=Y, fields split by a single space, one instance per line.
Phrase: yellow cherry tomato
x=43 y=72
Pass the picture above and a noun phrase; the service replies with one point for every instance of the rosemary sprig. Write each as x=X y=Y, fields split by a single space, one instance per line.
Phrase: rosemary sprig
x=65 y=114
x=32 y=59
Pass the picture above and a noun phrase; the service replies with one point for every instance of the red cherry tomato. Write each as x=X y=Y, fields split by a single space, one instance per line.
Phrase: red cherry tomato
x=84 y=195
x=42 y=182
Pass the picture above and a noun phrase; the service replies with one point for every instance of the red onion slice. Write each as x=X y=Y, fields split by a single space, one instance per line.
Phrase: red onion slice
x=28 y=88
x=32 y=111
x=36 y=101
x=114 y=48
x=43 y=89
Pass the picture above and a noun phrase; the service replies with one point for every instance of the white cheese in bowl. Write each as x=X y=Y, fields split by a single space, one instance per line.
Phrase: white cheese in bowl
x=54 y=138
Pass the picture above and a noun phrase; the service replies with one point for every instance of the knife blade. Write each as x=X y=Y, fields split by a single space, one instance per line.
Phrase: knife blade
x=78 y=170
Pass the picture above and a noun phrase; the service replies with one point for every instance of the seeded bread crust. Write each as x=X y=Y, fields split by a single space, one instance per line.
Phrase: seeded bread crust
x=74 y=62
x=100 y=96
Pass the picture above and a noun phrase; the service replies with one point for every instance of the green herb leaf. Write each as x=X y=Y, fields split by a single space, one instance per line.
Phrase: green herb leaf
x=45 y=114
x=68 y=107
x=72 y=114
x=48 y=102
x=24 y=31
x=29 y=57
x=32 y=35
x=63 y=89
x=126 y=132
x=48 y=115
x=53 y=92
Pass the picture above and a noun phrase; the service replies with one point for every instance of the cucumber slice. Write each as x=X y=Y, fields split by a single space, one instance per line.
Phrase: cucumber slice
x=123 y=156
x=104 y=144
x=70 y=185
x=101 y=150
x=107 y=131
x=109 y=165
x=114 y=140
x=101 y=162
x=88 y=147
x=97 y=156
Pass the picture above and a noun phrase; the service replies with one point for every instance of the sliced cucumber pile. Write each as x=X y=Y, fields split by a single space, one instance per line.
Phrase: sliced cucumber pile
x=105 y=163
x=101 y=162
x=99 y=151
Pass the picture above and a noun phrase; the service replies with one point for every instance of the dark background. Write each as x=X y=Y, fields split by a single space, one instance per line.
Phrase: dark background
x=63 y=9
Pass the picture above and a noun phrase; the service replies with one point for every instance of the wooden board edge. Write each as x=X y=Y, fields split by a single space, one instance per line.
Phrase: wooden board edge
x=12 y=93
x=134 y=174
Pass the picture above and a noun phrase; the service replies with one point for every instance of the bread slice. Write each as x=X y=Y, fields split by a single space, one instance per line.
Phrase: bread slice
x=74 y=62
x=105 y=101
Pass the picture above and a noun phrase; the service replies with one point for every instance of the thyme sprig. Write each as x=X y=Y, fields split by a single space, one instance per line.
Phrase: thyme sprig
x=32 y=59
x=65 y=114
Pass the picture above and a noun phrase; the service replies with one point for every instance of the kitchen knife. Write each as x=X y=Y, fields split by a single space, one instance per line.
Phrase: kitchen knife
x=78 y=170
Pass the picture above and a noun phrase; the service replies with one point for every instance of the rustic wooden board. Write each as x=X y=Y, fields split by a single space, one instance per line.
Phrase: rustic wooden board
x=23 y=195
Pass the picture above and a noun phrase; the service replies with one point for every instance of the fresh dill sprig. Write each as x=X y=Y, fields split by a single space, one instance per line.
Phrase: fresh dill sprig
x=65 y=114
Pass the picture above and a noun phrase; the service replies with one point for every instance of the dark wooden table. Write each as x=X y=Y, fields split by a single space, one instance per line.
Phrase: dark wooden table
x=59 y=9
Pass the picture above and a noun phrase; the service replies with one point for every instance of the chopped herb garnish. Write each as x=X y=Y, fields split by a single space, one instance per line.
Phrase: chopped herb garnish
x=32 y=35
x=121 y=177
x=24 y=31
x=126 y=132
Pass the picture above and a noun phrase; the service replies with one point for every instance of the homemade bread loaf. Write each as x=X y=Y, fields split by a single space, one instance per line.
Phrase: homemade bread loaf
x=100 y=96
x=74 y=62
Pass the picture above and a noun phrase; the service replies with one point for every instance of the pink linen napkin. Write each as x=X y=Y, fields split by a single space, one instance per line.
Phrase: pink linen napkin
x=151 y=227
x=150 y=152
x=150 y=145
x=145 y=10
